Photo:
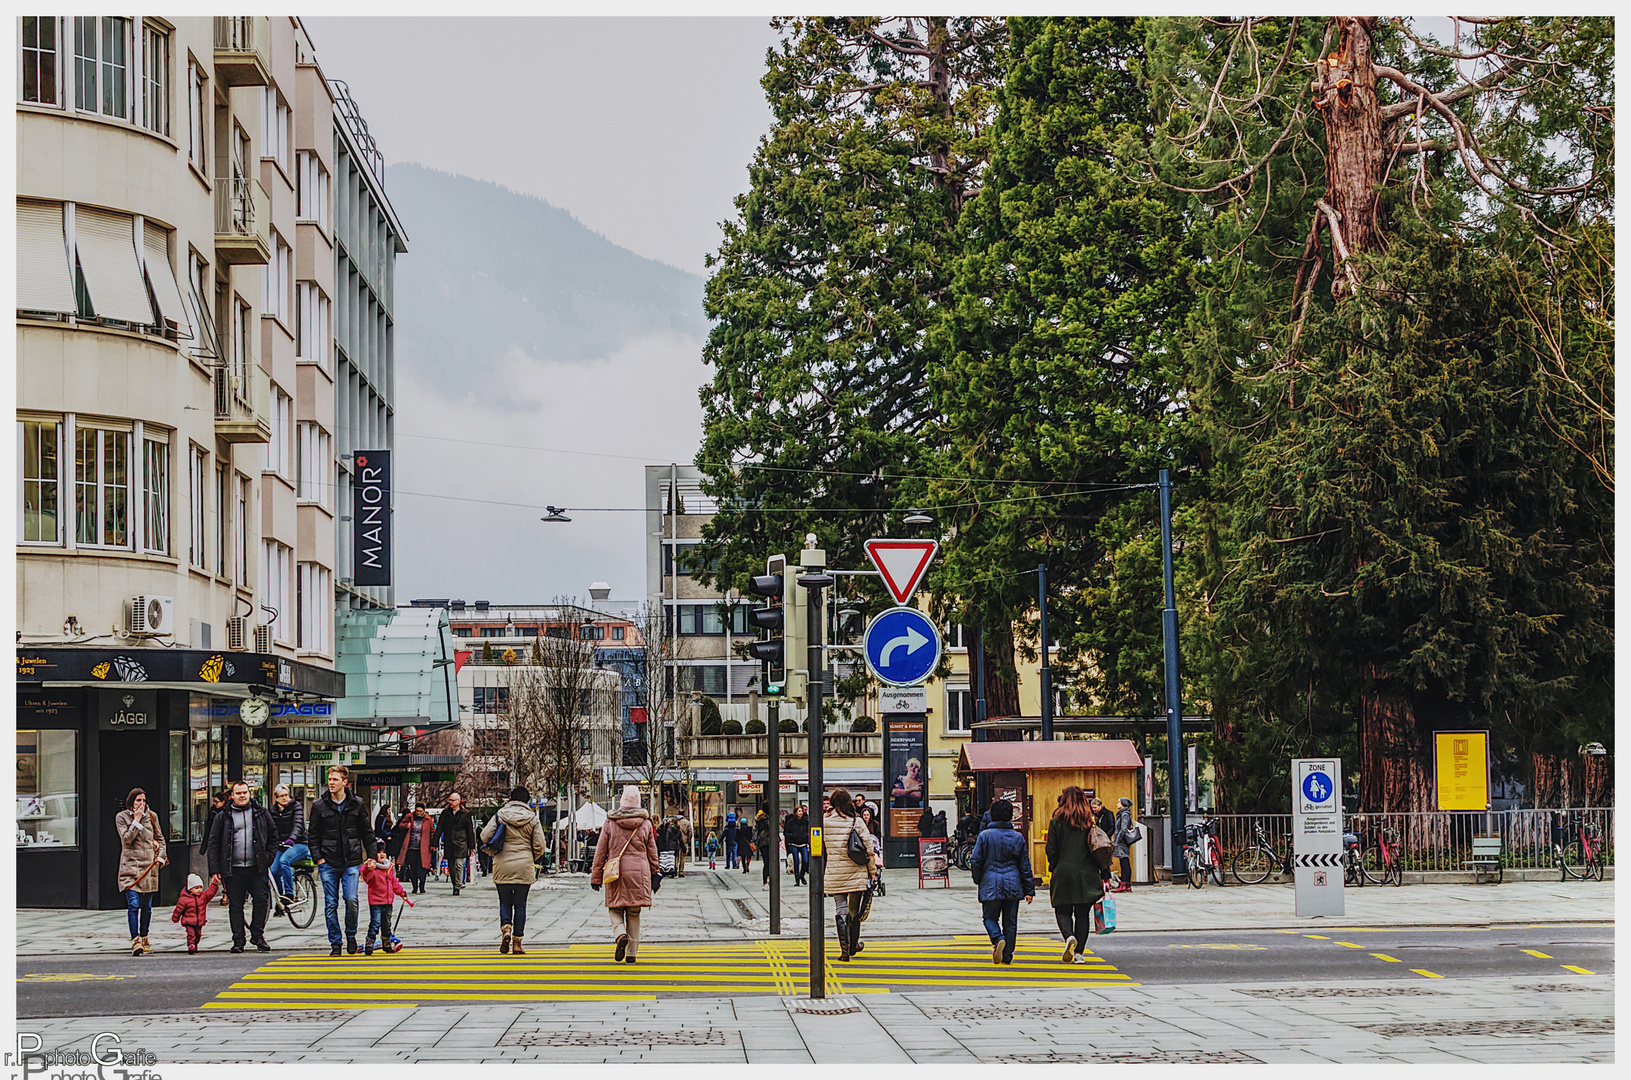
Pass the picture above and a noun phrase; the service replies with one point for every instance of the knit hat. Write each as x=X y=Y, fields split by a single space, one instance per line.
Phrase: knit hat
x=630 y=799
x=1124 y=801
x=194 y=881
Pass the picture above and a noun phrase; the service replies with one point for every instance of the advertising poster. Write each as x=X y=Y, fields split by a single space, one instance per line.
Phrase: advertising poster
x=906 y=772
x=933 y=863
x=1461 y=769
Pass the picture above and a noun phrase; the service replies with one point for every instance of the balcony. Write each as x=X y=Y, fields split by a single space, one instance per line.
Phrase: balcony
x=243 y=221
x=241 y=56
x=243 y=404
x=836 y=744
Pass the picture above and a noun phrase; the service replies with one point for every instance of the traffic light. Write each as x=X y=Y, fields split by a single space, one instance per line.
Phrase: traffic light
x=769 y=619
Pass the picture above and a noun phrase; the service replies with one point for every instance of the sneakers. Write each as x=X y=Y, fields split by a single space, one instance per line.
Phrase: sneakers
x=334 y=950
x=1070 y=949
x=237 y=946
x=368 y=947
x=1079 y=959
x=628 y=959
x=622 y=948
x=1123 y=887
x=505 y=933
x=996 y=951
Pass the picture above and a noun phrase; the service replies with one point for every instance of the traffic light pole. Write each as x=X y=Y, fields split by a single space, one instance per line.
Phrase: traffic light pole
x=1175 y=735
x=773 y=781
x=812 y=697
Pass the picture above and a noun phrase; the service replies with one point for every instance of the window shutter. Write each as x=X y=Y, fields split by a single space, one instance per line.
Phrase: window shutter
x=44 y=282
x=107 y=254
x=156 y=244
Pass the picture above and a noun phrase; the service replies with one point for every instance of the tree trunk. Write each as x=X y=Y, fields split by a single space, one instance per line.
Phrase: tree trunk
x=939 y=47
x=1393 y=774
x=1001 y=677
x=1355 y=154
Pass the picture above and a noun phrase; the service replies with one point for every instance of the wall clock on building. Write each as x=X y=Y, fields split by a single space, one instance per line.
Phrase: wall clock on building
x=254 y=711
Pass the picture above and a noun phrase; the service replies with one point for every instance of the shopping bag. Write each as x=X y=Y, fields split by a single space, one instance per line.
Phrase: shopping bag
x=1104 y=913
x=665 y=861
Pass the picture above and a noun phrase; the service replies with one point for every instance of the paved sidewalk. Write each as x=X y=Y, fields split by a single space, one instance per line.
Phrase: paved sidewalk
x=1527 y=1020
x=731 y=906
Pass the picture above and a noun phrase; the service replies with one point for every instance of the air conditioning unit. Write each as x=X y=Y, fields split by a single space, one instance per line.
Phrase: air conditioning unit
x=152 y=616
x=263 y=638
x=238 y=634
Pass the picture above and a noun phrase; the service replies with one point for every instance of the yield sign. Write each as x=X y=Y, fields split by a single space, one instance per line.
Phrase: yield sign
x=901 y=563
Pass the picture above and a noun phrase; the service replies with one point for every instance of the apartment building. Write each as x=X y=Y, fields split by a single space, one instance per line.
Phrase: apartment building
x=185 y=264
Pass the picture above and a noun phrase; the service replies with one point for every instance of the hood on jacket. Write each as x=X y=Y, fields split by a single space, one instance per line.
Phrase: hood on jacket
x=629 y=819
x=517 y=814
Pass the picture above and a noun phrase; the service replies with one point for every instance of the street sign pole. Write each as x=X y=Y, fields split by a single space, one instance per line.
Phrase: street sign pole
x=774 y=740
x=1175 y=736
x=1047 y=672
x=814 y=582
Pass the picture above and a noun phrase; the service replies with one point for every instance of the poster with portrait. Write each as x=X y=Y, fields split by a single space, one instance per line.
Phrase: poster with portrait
x=906 y=772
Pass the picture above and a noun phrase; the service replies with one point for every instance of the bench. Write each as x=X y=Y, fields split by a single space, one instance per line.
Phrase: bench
x=1486 y=858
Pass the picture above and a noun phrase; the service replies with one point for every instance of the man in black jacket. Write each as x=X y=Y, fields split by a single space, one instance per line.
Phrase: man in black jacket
x=239 y=852
x=339 y=835
x=456 y=832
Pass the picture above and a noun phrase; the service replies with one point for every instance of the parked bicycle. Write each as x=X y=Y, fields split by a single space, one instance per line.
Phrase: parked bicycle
x=303 y=908
x=1253 y=865
x=1353 y=849
x=1202 y=856
x=962 y=854
x=1382 y=860
x=1583 y=857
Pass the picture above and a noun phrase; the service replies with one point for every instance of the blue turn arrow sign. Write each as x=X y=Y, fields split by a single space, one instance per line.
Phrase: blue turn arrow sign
x=902 y=647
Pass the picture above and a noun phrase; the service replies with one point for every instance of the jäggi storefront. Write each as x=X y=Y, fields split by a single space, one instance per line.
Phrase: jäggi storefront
x=94 y=723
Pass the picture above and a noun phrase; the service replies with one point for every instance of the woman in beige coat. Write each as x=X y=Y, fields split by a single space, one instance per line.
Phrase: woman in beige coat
x=628 y=840
x=515 y=867
x=141 y=853
x=843 y=876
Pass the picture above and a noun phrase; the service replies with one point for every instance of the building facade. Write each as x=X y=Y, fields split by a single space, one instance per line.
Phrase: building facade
x=179 y=398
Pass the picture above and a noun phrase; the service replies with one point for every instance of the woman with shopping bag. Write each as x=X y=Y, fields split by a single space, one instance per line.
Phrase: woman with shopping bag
x=1077 y=872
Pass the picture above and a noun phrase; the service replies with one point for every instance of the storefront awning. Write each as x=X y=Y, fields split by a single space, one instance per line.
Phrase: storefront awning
x=199 y=670
x=1056 y=754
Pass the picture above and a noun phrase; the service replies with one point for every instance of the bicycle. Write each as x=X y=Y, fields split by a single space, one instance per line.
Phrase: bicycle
x=1353 y=845
x=1383 y=860
x=303 y=908
x=1582 y=858
x=962 y=854
x=1253 y=865
x=1202 y=858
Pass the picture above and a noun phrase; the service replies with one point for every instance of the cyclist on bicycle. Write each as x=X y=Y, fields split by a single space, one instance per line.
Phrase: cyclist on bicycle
x=289 y=830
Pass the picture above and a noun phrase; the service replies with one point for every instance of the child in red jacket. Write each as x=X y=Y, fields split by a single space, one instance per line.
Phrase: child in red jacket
x=192 y=910
x=382 y=886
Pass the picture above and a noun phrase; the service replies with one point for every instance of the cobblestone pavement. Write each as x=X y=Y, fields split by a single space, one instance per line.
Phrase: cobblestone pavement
x=1525 y=1020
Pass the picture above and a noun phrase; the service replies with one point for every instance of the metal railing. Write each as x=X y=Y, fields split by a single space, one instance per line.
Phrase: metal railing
x=242 y=209
x=1442 y=841
x=835 y=744
x=241 y=33
x=242 y=395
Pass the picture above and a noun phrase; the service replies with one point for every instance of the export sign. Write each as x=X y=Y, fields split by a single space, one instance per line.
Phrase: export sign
x=371 y=518
x=1461 y=769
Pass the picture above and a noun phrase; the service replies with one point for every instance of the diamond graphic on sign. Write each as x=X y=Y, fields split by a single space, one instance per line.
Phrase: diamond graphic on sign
x=901 y=564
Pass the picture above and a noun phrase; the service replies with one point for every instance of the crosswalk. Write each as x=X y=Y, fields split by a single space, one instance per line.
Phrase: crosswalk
x=665 y=969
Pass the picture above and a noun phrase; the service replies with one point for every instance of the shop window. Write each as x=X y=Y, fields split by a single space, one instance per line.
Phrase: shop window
x=178 y=785
x=47 y=789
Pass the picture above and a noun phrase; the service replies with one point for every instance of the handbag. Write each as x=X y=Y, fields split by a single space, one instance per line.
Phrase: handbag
x=614 y=866
x=492 y=847
x=1134 y=833
x=1099 y=846
x=859 y=852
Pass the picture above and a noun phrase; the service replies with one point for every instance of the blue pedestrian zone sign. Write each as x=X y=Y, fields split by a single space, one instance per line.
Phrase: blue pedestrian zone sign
x=1317 y=787
x=902 y=647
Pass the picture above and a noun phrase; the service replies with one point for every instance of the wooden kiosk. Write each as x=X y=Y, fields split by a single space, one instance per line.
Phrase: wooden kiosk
x=1033 y=775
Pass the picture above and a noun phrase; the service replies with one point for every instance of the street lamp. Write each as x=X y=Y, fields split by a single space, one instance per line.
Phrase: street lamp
x=914 y=516
x=556 y=513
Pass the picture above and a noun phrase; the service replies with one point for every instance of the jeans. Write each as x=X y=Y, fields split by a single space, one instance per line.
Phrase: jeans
x=139 y=910
x=243 y=882
x=1007 y=931
x=338 y=883
x=801 y=861
x=379 y=922
x=1075 y=920
x=730 y=854
x=283 y=866
x=512 y=908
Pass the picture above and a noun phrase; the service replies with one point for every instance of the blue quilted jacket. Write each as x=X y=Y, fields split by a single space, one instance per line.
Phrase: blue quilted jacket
x=1002 y=864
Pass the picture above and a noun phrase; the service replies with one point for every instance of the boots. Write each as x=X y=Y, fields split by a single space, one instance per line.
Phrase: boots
x=505 y=937
x=146 y=947
x=855 y=945
x=843 y=923
x=135 y=946
x=515 y=946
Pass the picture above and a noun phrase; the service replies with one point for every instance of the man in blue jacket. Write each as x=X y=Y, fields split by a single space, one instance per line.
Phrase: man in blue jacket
x=729 y=840
x=1002 y=868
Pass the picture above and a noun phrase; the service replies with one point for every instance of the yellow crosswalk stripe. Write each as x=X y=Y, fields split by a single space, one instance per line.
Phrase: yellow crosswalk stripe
x=1424 y=973
x=1385 y=956
x=1537 y=952
x=588 y=973
x=1577 y=970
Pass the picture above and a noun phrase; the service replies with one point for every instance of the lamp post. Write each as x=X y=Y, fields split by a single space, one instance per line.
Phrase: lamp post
x=816 y=561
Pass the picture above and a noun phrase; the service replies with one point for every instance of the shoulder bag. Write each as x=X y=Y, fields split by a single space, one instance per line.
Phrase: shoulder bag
x=492 y=847
x=1099 y=846
x=858 y=850
x=614 y=865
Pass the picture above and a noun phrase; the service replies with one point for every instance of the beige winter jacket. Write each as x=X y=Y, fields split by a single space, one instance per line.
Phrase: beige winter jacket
x=524 y=844
x=840 y=874
x=140 y=843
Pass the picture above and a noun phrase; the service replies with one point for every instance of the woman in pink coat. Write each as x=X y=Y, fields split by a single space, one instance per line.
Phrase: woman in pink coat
x=628 y=838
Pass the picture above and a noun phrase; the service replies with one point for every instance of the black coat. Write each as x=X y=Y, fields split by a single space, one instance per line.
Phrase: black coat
x=1105 y=820
x=744 y=834
x=1075 y=874
x=289 y=824
x=797 y=830
x=218 y=847
x=340 y=835
x=456 y=832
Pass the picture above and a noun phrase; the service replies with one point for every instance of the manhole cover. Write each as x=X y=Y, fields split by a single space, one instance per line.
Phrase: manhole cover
x=832 y=1006
x=1044 y=1012
x=1339 y=992
x=576 y=1037
x=1557 y=1025
x=1133 y=1057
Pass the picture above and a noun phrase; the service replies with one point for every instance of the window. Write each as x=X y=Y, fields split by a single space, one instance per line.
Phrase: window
x=311 y=324
x=40 y=59
x=274 y=127
x=47 y=789
x=155 y=80
x=679 y=560
x=280 y=450
x=101 y=492
x=959 y=710
x=156 y=496
x=102 y=65
x=591 y=633
x=314 y=607
x=314 y=464
x=275 y=303
x=39 y=450
x=245 y=341
x=957 y=636
x=277 y=584
x=492 y=700
x=197 y=113
x=223 y=518
x=311 y=189
x=461 y=631
x=243 y=532
x=198 y=466
x=708 y=678
x=617 y=633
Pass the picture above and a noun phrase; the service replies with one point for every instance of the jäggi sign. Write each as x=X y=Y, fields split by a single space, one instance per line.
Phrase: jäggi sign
x=127 y=710
x=371 y=518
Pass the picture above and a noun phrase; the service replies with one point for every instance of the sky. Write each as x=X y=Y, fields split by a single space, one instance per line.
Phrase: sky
x=643 y=129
